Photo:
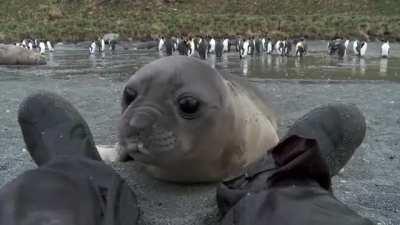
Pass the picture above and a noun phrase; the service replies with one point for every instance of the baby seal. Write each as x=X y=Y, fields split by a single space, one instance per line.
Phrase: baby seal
x=186 y=122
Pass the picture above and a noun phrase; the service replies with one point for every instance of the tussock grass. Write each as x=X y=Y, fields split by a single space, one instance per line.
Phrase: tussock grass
x=77 y=20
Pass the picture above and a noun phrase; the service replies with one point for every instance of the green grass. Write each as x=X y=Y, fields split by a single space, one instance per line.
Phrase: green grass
x=77 y=20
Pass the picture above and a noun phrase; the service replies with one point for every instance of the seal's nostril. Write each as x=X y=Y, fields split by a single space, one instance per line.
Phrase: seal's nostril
x=141 y=122
x=136 y=123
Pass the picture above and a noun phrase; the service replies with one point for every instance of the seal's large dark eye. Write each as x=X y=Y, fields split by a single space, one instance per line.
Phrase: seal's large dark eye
x=188 y=107
x=129 y=95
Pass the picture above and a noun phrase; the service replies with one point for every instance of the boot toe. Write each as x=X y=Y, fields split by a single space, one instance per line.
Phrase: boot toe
x=338 y=128
x=49 y=125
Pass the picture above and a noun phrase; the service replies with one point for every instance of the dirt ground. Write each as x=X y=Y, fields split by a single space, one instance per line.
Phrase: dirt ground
x=369 y=183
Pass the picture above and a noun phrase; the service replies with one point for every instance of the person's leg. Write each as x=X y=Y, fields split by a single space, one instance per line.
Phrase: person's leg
x=291 y=184
x=72 y=185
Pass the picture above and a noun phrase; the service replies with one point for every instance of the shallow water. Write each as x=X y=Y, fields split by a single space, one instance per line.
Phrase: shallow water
x=73 y=61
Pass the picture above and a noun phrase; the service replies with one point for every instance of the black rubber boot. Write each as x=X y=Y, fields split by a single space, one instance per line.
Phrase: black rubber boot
x=52 y=127
x=338 y=128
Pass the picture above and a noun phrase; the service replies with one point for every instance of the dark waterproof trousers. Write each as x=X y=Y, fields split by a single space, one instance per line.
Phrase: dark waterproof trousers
x=68 y=191
x=290 y=186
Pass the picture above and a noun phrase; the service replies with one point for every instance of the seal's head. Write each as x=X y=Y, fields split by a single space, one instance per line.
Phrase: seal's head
x=175 y=116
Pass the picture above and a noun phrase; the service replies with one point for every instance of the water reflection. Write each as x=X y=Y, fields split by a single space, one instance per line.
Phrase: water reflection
x=363 y=66
x=262 y=61
x=297 y=62
x=70 y=61
x=92 y=61
x=383 y=66
x=225 y=59
x=245 y=66
x=212 y=59
x=269 y=60
x=50 y=59
x=278 y=62
x=354 y=66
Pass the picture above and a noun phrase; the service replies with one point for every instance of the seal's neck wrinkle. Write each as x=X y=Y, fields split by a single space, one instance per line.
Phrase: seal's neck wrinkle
x=256 y=131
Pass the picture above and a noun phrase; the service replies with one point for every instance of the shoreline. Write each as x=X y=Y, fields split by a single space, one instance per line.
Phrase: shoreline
x=132 y=40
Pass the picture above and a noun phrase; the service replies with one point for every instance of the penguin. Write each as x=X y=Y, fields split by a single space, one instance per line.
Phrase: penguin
x=24 y=45
x=176 y=42
x=225 y=44
x=301 y=48
x=331 y=47
x=245 y=49
x=219 y=48
x=269 y=46
x=182 y=47
x=161 y=44
x=263 y=44
x=238 y=45
x=252 y=46
x=282 y=46
x=341 y=48
x=196 y=43
x=42 y=47
x=212 y=45
x=98 y=44
x=346 y=43
x=103 y=45
x=355 y=50
x=277 y=47
x=92 y=48
x=385 y=49
x=258 y=46
x=191 y=47
x=288 y=47
x=113 y=45
x=30 y=45
x=35 y=44
x=363 y=48
x=169 y=46
x=49 y=46
x=203 y=48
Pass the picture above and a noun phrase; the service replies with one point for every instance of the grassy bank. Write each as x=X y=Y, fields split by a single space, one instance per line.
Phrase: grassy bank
x=77 y=20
